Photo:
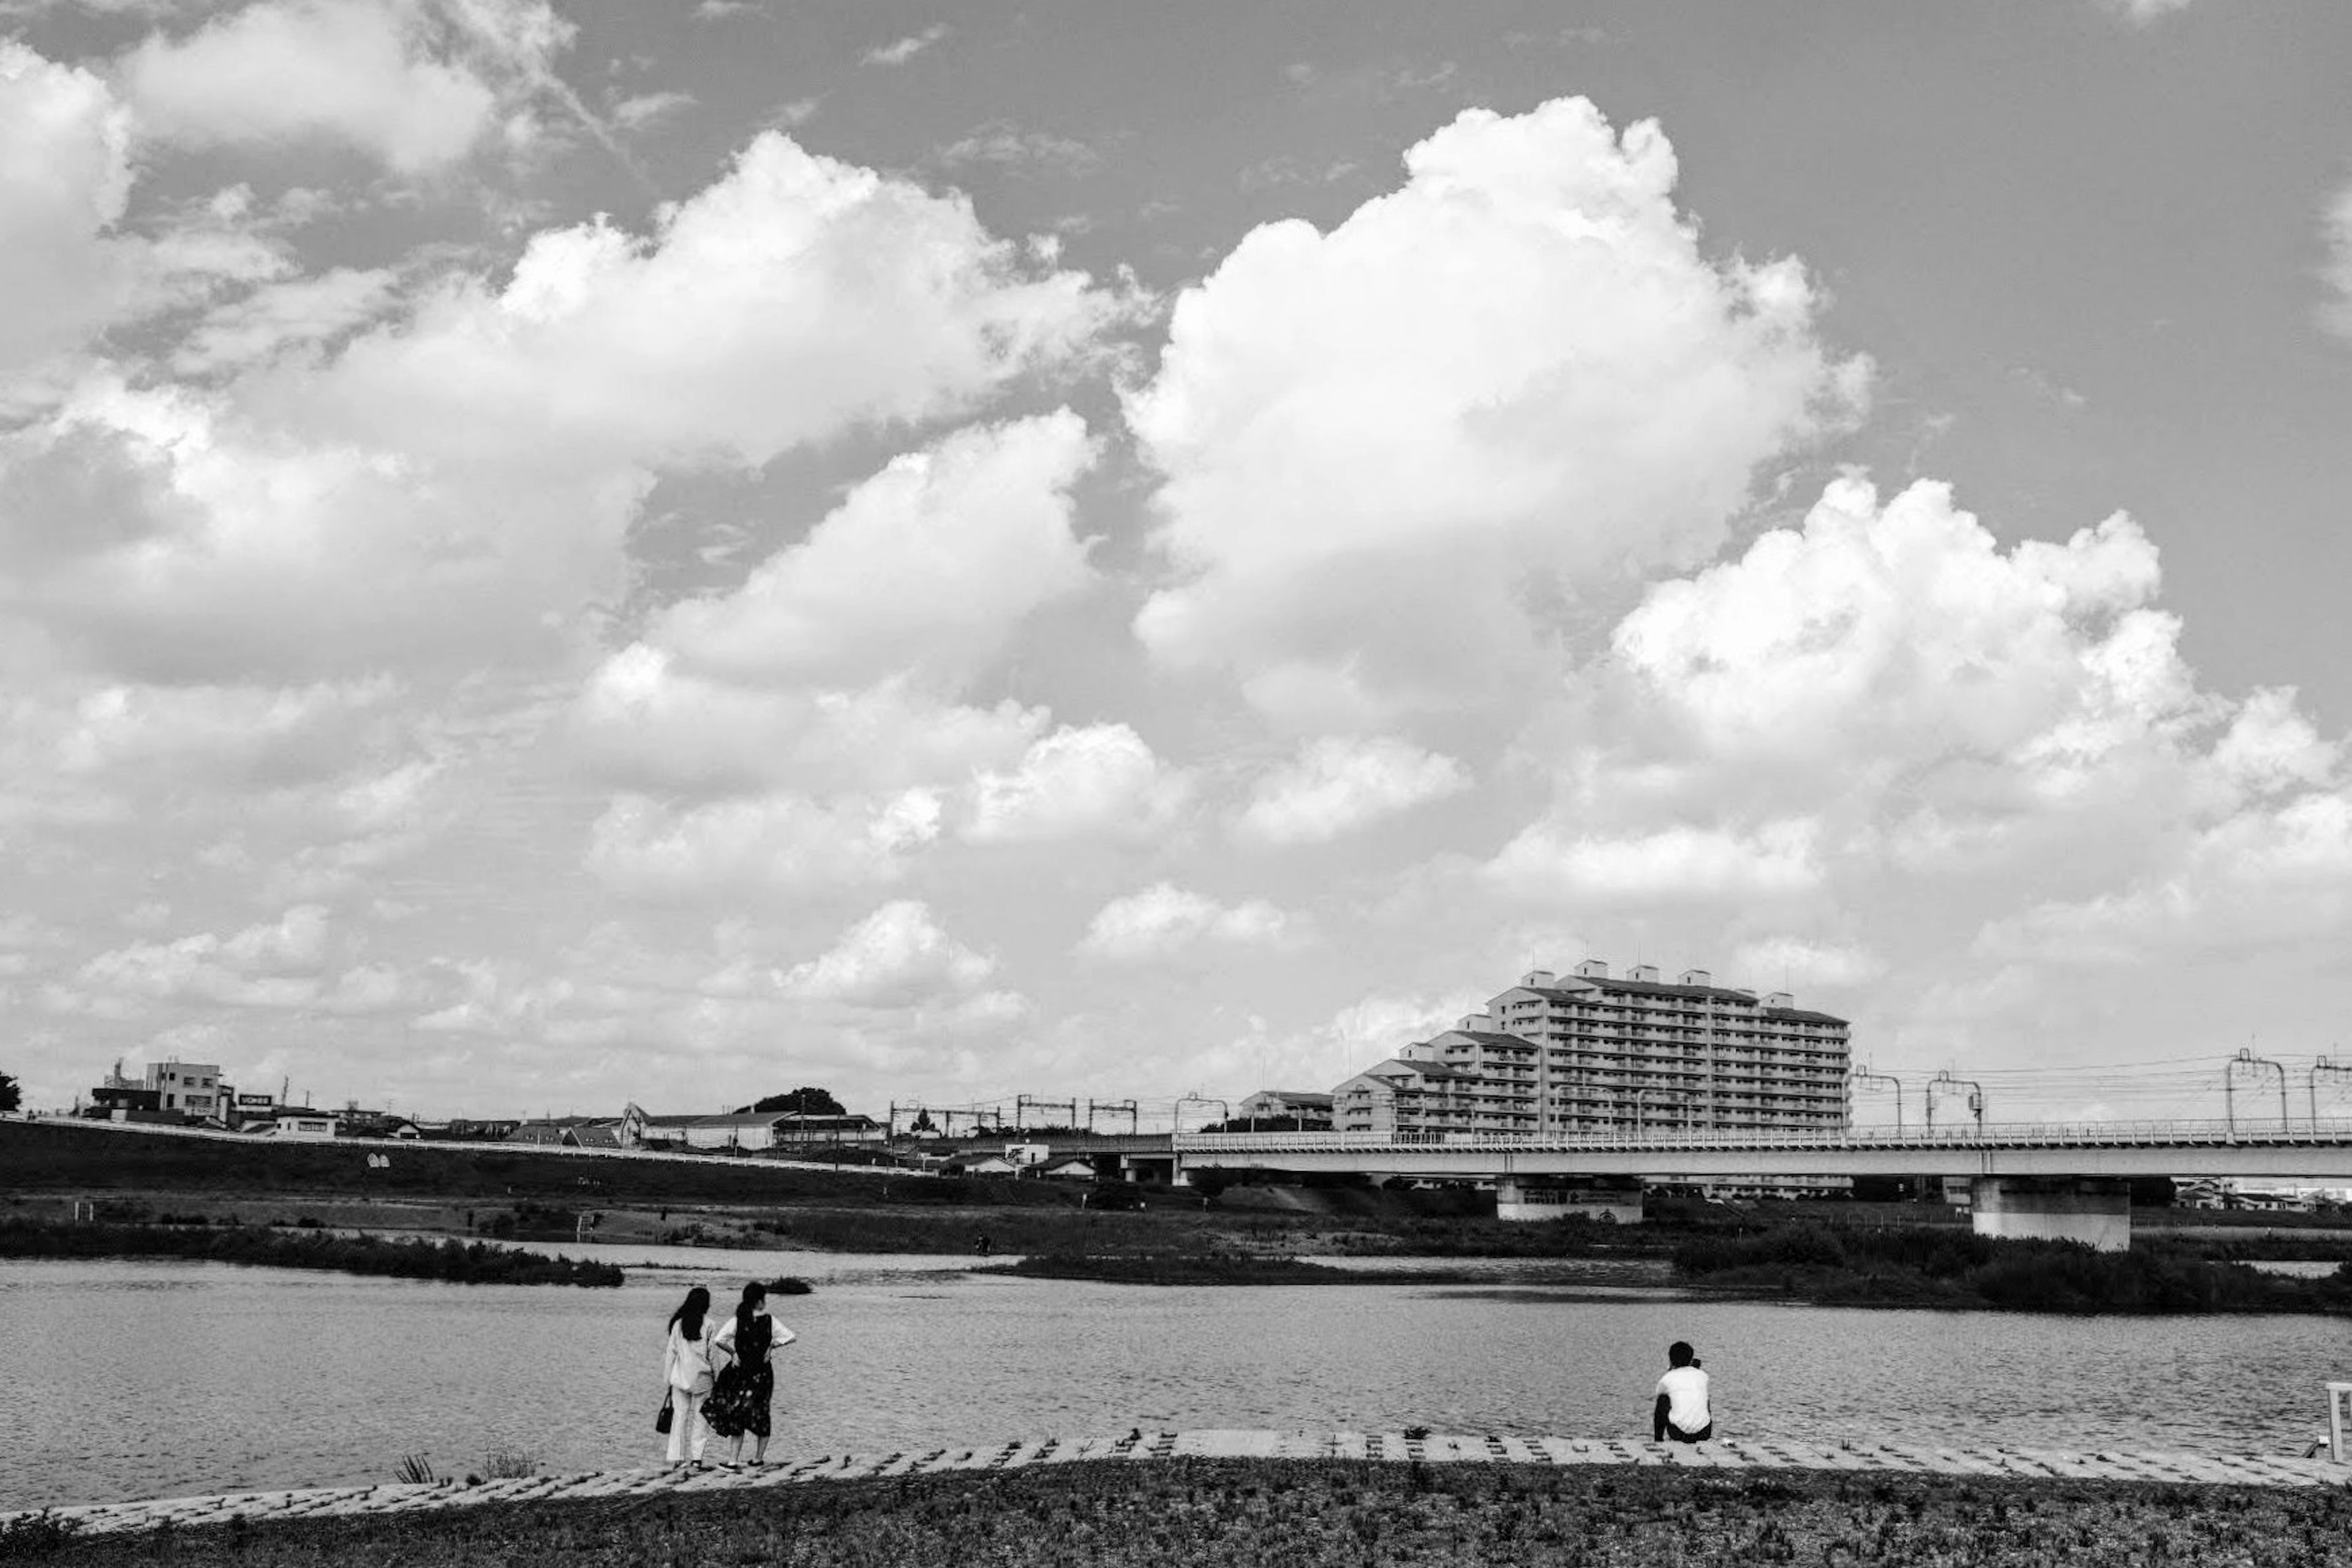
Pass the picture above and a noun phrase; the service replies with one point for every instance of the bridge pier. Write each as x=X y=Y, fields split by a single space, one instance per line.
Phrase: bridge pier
x=2093 y=1209
x=1528 y=1198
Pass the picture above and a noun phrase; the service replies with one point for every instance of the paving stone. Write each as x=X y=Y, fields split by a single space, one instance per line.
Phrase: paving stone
x=2258 y=1469
x=1218 y=1444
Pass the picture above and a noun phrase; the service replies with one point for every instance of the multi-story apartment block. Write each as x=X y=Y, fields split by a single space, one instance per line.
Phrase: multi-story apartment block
x=1586 y=1053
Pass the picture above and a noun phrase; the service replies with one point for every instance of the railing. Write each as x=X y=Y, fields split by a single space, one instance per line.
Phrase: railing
x=2216 y=1134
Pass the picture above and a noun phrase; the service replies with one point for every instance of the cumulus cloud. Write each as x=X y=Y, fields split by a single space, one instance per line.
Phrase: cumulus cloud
x=64 y=185
x=1902 y=631
x=1165 y=918
x=933 y=561
x=1074 y=781
x=645 y=723
x=781 y=842
x=273 y=965
x=298 y=313
x=2336 y=267
x=363 y=72
x=1516 y=368
x=1775 y=859
x=1339 y=783
x=459 y=484
x=894 y=957
x=898 y=51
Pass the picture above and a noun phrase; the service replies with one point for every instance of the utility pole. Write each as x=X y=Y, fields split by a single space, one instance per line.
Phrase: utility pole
x=1945 y=1080
x=1862 y=1075
x=1114 y=1107
x=2323 y=1064
x=2245 y=1061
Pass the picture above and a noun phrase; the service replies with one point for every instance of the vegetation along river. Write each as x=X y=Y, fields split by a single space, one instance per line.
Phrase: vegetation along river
x=153 y=1378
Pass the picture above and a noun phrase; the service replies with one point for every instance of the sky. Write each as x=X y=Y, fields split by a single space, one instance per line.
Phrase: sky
x=562 y=554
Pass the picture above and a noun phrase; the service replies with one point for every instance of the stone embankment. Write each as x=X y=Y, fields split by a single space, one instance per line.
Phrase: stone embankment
x=2272 y=1470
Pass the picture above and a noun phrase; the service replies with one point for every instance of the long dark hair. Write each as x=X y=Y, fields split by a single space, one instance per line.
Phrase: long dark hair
x=698 y=1303
x=753 y=1294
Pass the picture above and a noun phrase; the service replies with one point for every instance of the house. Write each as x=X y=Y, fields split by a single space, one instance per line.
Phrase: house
x=991 y=1165
x=1069 y=1168
x=543 y=1134
x=668 y=1130
x=740 y=1130
x=301 y=1122
x=829 y=1130
x=1303 y=1110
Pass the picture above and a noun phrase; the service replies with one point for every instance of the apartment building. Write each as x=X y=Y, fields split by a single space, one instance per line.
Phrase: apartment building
x=1589 y=1052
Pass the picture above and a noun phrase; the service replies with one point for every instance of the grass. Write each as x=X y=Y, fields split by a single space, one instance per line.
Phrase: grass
x=450 y=1261
x=1178 y=1268
x=1942 y=1267
x=1318 y=1514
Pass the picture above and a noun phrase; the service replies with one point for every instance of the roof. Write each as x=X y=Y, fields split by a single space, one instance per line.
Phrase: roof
x=1584 y=989
x=537 y=1132
x=1401 y=1067
x=674 y=1120
x=1487 y=1038
x=734 y=1119
x=1803 y=1016
x=596 y=1137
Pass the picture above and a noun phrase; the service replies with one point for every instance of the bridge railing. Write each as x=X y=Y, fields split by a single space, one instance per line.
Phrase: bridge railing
x=2245 y=1132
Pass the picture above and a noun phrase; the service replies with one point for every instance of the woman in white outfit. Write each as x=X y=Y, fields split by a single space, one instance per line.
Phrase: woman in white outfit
x=686 y=1366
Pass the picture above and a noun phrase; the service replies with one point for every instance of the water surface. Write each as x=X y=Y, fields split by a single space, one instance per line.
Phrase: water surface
x=153 y=1378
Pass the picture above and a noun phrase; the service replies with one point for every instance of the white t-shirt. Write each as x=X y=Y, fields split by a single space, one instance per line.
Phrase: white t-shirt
x=1685 y=1391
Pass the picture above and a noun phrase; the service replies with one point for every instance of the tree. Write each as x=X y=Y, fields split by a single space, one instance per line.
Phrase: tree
x=923 y=1123
x=803 y=1101
x=11 y=1096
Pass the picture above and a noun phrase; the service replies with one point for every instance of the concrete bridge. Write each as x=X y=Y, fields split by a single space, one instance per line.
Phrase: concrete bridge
x=2034 y=1179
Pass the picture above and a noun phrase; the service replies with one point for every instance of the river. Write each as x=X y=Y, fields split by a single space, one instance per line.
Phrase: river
x=152 y=1378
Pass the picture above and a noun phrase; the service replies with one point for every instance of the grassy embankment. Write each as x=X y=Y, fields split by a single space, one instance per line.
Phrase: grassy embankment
x=1843 y=1266
x=1313 y=1514
x=450 y=1261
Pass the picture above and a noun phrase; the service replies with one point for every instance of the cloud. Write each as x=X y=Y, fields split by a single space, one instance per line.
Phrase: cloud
x=901 y=51
x=933 y=561
x=274 y=965
x=1338 y=784
x=1165 y=918
x=64 y=185
x=645 y=723
x=459 y=484
x=2144 y=11
x=896 y=957
x=776 y=842
x=1775 y=859
x=299 y=313
x=1101 y=779
x=651 y=109
x=1516 y=369
x=2336 y=268
x=1783 y=962
x=1007 y=145
x=796 y=298
x=285 y=72
x=1904 y=632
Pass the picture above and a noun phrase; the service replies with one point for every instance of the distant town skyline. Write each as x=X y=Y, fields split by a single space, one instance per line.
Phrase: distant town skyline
x=557 y=552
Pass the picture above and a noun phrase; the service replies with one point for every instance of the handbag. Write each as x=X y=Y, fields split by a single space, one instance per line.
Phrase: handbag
x=662 y=1416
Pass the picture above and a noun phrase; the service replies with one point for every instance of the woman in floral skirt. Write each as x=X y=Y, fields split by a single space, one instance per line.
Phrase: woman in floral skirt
x=739 y=1403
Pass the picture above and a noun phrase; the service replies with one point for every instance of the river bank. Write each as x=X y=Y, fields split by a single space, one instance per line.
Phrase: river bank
x=1425 y=1501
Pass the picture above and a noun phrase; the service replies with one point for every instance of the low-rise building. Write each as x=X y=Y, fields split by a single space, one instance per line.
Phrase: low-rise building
x=1301 y=1109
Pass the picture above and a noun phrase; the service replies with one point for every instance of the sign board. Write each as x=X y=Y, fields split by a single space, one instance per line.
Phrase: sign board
x=262 y=1101
x=2339 y=1422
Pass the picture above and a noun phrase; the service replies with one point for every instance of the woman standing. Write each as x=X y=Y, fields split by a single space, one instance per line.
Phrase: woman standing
x=686 y=1367
x=740 y=1406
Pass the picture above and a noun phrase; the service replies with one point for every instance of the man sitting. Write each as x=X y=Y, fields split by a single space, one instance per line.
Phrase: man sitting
x=1681 y=1413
